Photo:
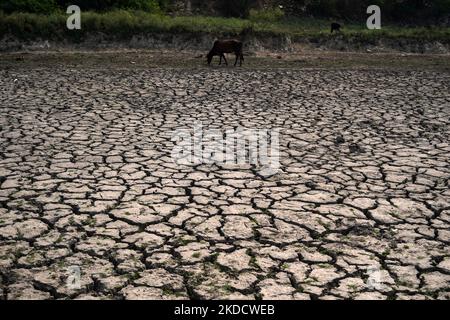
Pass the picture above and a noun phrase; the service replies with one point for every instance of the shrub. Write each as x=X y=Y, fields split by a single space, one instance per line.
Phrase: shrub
x=323 y=8
x=33 y=6
x=234 y=8
x=266 y=15
x=144 y=5
x=412 y=11
x=106 y=5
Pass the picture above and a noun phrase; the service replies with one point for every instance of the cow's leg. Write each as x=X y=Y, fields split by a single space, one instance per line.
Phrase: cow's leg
x=242 y=58
x=237 y=57
x=220 y=60
x=224 y=58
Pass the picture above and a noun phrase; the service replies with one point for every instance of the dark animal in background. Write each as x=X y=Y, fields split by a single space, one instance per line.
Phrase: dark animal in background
x=335 y=27
x=226 y=46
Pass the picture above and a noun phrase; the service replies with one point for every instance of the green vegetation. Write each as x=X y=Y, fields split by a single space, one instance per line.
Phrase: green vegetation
x=35 y=6
x=408 y=11
x=269 y=15
x=123 y=24
x=52 y=6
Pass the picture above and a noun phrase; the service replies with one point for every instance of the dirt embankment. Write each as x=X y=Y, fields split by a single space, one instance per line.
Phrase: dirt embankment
x=253 y=43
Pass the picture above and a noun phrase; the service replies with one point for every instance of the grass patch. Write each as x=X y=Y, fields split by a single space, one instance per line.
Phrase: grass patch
x=228 y=288
x=120 y=24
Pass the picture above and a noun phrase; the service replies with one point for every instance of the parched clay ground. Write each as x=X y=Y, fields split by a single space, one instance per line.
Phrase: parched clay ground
x=359 y=210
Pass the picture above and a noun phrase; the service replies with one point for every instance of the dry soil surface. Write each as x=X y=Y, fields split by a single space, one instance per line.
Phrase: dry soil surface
x=359 y=209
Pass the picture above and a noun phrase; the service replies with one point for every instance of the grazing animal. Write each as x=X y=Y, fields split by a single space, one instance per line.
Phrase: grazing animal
x=335 y=27
x=226 y=46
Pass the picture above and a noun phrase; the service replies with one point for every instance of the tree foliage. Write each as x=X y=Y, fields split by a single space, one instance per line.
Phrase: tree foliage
x=397 y=10
x=409 y=11
x=34 y=6
x=234 y=8
x=49 y=6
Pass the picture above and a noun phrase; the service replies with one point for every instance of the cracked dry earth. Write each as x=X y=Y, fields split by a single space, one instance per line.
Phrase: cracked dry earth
x=359 y=210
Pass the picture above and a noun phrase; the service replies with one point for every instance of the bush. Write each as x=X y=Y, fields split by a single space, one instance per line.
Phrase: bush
x=120 y=24
x=50 y=6
x=323 y=8
x=33 y=6
x=234 y=8
x=106 y=5
x=411 y=11
x=266 y=15
x=144 y=5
